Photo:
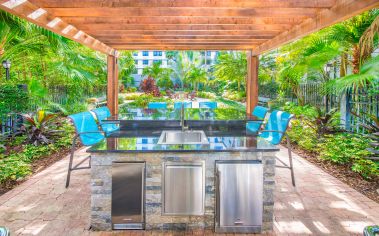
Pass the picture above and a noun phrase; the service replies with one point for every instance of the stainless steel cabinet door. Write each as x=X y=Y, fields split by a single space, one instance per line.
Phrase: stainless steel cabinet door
x=239 y=194
x=128 y=195
x=183 y=188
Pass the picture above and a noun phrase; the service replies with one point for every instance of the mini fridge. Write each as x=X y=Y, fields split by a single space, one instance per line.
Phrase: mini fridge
x=239 y=196
x=128 y=195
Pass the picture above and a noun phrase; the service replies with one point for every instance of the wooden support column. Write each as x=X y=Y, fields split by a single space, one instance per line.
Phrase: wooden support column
x=252 y=82
x=112 y=85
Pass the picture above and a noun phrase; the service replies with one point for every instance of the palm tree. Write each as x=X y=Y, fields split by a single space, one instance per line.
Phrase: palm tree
x=127 y=67
x=349 y=33
x=232 y=67
x=154 y=71
x=195 y=76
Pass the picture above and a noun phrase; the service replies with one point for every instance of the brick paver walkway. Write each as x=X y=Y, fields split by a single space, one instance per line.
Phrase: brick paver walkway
x=320 y=205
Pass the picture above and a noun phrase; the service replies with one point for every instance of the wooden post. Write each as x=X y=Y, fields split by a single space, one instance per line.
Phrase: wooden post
x=252 y=82
x=112 y=85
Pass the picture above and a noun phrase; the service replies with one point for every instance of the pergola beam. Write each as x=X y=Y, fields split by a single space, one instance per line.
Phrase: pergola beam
x=189 y=3
x=342 y=10
x=189 y=27
x=184 y=20
x=43 y=18
x=182 y=11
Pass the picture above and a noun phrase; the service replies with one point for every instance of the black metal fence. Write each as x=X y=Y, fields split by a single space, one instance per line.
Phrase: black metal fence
x=61 y=95
x=362 y=104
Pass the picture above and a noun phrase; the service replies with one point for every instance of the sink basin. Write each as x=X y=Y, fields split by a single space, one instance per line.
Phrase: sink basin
x=183 y=137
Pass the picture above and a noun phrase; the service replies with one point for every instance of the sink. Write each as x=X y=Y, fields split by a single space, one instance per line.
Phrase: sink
x=183 y=137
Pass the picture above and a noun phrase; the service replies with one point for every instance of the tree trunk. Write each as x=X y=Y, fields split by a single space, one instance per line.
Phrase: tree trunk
x=356 y=59
x=343 y=66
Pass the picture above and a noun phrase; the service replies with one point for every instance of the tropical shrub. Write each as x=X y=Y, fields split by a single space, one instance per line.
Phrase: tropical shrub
x=344 y=148
x=143 y=100
x=235 y=95
x=149 y=87
x=40 y=128
x=132 y=96
x=208 y=95
x=13 y=168
x=304 y=137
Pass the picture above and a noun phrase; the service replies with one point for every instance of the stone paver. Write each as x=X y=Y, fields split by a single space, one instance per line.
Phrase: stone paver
x=319 y=205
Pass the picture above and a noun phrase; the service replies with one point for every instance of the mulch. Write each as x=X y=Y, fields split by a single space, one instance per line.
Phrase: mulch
x=37 y=166
x=368 y=187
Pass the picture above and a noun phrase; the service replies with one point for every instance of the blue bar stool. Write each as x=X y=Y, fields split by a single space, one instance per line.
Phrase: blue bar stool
x=103 y=113
x=274 y=132
x=157 y=105
x=210 y=105
x=89 y=134
x=178 y=105
x=259 y=112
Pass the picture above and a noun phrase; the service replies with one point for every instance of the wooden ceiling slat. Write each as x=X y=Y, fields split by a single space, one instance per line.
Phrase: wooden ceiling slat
x=178 y=33
x=126 y=27
x=184 y=20
x=163 y=12
x=187 y=3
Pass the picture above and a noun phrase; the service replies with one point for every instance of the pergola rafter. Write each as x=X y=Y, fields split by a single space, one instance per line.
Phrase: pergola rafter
x=256 y=26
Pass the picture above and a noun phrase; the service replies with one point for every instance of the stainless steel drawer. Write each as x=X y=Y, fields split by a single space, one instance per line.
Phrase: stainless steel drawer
x=183 y=188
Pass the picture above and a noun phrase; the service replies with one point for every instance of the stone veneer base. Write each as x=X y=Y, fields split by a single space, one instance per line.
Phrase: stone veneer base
x=101 y=188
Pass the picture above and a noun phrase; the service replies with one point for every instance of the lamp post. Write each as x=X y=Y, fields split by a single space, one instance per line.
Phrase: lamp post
x=327 y=68
x=7 y=66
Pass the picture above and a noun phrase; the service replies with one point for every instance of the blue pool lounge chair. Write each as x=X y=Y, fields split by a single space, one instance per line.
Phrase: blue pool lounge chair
x=178 y=105
x=274 y=132
x=157 y=105
x=210 y=105
x=89 y=134
x=103 y=113
x=259 y=112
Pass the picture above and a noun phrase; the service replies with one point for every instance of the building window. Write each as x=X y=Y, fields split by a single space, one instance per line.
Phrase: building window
x=135 y=62
x=208 y=62
x=157 y=53
x=145 y=53
x=209 y=53
x=135 y=71
x=157 y=61
x=145 y=62
x=135 y=54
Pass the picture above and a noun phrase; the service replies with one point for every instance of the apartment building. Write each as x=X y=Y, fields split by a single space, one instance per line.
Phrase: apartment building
x=143 y=59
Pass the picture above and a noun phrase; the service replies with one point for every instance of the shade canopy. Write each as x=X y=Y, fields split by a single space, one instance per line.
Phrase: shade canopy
x=256 y=25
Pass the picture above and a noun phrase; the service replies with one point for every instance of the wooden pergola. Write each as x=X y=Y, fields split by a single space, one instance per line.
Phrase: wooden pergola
x=255 y=26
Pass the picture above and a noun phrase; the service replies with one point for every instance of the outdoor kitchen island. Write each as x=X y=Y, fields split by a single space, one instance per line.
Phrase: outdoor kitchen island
x=148 y=179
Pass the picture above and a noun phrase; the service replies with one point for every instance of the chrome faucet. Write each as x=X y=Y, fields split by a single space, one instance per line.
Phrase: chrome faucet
x=182 y=122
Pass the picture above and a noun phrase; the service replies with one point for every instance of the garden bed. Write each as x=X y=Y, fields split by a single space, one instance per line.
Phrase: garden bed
x=369 y=188
x=36 y=167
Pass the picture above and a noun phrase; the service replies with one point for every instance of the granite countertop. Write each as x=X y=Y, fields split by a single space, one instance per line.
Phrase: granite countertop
x=146 y=141
x=190 y=114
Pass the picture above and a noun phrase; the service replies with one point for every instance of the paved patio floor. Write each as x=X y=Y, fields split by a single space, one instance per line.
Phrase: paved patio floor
x=320 y=205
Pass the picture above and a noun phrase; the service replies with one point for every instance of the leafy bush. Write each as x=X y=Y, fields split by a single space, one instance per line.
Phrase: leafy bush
x=208 y=95
x=304 y=137
x=132 y=96
x=13 y=168
x=235 y=95
x=144 y=99
x=344 y=148
x=149 y=87
x=13 y=99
